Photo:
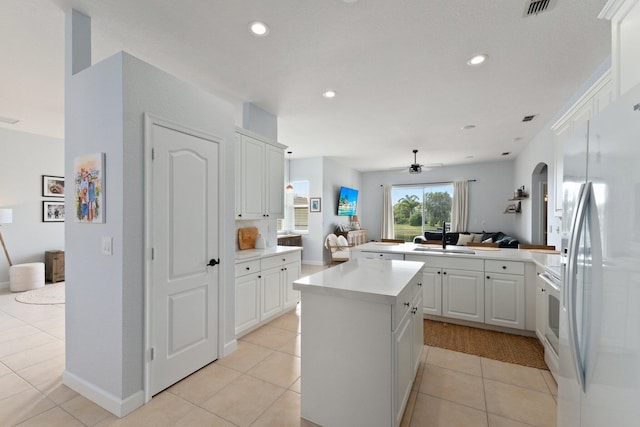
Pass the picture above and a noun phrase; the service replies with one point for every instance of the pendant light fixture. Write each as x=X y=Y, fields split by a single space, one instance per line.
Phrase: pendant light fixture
x=289 y=187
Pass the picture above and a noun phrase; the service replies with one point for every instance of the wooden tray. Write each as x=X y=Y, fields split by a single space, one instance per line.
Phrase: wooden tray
x=247 y=237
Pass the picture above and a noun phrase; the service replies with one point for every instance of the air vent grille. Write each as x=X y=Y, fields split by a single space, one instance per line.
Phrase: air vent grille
x=534 y=7
x=528 y=118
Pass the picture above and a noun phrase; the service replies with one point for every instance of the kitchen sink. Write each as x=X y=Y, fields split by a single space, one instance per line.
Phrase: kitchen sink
x=445 y=251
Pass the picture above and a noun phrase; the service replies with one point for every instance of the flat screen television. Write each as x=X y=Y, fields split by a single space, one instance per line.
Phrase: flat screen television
x=347 y=201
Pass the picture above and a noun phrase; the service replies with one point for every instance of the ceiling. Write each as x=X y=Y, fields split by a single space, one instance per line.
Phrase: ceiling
x=398 y=68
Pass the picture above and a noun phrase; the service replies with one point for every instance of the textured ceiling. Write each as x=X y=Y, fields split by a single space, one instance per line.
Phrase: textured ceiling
x=398 y=67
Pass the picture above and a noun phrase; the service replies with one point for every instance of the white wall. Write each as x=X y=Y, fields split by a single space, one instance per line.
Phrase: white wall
x=310 y=169
x=334 y=176
x=25 y=158
x=105 y=304
x=487 y=196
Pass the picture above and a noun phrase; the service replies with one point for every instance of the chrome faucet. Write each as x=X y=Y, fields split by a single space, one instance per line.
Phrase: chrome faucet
x=444 y=235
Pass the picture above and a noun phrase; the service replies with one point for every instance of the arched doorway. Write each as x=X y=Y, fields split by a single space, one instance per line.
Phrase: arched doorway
x=539 y=203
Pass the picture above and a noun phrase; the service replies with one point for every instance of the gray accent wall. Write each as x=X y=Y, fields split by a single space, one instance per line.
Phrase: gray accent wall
x=487 y=196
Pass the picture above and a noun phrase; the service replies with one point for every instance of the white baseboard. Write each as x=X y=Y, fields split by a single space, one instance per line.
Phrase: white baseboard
x=230 y=347
x=5 y=285
x=304 y=261
x=111 y=403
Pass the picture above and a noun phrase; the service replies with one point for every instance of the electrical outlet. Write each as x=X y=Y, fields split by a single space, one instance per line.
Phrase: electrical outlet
x=107 y=246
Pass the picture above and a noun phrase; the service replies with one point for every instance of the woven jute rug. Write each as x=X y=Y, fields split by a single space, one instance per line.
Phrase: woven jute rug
x=49 y=294
x=517 y=349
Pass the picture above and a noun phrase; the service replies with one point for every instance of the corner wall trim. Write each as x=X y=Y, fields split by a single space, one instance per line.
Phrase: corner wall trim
x=230 y=347
x=111 y=403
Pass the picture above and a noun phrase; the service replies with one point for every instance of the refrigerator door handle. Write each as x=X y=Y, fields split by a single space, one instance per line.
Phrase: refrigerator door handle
x=572 y=248
x=578 y=227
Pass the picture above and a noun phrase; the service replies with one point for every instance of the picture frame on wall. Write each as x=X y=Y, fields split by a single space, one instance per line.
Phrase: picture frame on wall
x=53 y=211
x=52 y=186
x=315 y=204
x=89 y=190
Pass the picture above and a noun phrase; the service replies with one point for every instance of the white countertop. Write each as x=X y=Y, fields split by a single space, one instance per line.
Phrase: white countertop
x=370 y=280
x=248 y=254
x=543 y=259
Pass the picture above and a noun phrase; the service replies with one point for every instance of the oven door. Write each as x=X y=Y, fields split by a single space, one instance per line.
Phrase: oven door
x=552 y=322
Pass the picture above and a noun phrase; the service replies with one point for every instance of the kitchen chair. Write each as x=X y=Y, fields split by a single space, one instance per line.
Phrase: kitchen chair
x=338 y=248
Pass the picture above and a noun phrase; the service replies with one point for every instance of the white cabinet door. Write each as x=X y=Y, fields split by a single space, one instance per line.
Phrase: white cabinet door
x=247 y=301
x=418 y=332
x=403 y=364
x=274 y=182
x=271 y=292
x=463 y=294
x=253 y=173
x=432 y=290
x=291 y=273
x=504 y=300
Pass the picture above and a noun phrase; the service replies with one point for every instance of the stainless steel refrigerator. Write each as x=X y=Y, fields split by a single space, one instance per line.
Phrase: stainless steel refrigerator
x=599 y=343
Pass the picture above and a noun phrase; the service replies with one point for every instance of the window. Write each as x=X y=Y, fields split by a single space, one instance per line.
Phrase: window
x=420 y=208
x=296 y=208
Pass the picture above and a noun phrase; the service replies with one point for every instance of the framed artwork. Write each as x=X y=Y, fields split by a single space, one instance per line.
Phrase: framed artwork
x=52 y=186
x=53 y=211
x=89 y=191
x=314 y=204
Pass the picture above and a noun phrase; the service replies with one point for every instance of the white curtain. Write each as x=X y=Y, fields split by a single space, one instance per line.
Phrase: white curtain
x=387 y=214
x=460 y=209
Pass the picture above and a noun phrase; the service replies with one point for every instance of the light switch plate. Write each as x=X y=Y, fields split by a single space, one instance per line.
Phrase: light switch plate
x=107 y=246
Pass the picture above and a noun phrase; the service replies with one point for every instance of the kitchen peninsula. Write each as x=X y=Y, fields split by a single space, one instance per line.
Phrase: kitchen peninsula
x=476 y=286
x=361 y=343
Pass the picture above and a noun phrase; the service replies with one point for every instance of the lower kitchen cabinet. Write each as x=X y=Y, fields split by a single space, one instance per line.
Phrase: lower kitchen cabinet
x=432 y=290
x=463 y=294
x=504 y=300
x=264 y=289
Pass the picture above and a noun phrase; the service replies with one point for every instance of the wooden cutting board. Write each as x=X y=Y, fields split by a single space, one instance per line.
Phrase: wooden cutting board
x=247 y=237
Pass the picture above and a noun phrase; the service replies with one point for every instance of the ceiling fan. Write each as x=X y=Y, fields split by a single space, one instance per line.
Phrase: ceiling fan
x=415 y=167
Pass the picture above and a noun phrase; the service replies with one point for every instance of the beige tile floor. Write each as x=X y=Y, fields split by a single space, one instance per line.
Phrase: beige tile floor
x=258 y=385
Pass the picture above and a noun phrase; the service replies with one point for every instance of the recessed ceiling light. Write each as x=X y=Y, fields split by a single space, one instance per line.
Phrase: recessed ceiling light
x=329 y=94
x=477 y=59
x=8 y=120
x=259 y=29
x=468 y=127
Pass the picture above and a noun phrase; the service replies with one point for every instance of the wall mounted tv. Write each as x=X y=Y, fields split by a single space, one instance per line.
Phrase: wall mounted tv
x=347 y=201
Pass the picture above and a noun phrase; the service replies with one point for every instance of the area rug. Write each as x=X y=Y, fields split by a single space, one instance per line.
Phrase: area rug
x=49 y=294
x=517 y=349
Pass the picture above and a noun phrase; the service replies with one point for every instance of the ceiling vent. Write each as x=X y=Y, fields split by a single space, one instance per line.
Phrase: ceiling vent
x=534 y=7
x=528 y=118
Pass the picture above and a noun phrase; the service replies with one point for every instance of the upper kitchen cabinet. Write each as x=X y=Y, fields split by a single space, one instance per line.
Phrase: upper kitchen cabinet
x=592 y=102
x=259 y=165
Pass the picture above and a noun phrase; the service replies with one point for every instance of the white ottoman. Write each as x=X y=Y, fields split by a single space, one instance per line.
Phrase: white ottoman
x=24 y=277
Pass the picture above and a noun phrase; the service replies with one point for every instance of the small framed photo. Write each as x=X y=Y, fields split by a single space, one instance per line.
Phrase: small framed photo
x=53 y=211
x=52 y=186
x=314 y=204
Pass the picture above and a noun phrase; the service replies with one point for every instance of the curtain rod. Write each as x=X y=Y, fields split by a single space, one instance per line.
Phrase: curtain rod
x=426 y=183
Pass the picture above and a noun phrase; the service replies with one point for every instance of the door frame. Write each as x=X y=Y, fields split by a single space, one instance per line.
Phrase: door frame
x=149 y=121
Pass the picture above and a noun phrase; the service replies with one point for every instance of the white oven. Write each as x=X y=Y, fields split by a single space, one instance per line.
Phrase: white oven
x=553 y=282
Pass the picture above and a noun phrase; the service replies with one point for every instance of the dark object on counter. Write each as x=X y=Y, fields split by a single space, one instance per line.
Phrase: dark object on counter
x=444 y=235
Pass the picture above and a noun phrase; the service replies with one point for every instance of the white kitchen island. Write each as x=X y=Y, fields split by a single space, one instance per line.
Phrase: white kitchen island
x=362 y=338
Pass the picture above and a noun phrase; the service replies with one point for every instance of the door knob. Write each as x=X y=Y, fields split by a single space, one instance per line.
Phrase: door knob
x=213 y=262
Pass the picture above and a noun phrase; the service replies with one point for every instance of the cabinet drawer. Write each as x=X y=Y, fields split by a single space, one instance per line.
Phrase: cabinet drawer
x=381 y=255
x=509 y=267
x=403 y=304
x=448 y=261
x=278 y=260
x=247 y=267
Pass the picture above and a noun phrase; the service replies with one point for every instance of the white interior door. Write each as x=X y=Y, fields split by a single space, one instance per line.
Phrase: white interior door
x=185 y=237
